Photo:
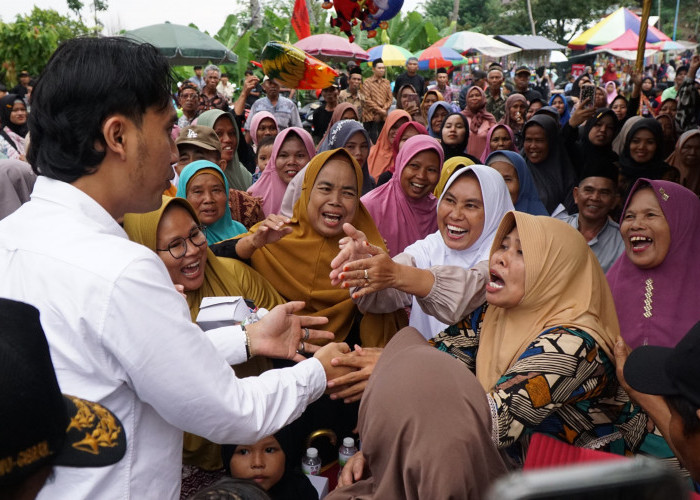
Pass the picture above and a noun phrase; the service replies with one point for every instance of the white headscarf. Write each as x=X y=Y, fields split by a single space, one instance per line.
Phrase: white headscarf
x=432 y=251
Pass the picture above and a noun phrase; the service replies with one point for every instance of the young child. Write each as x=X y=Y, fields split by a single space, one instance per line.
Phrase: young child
x=265 y=463
x=262 y=155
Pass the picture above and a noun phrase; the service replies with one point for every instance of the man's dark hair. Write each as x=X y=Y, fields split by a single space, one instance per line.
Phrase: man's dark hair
x=85 y=81
x=377 y=61
x=688 y=413
x=197 y=67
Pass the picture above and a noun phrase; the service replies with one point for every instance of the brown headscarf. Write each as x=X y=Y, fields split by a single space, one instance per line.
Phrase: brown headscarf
x=381 y=156
x=564 y=286
x=298 y=266
x=412 y=453
x=690 y=177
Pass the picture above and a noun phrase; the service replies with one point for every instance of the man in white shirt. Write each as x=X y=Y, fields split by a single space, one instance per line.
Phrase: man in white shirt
x=118 y=331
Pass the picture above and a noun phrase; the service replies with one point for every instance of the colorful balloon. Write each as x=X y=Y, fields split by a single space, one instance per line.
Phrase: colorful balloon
x=294 y=68
x=371 y=13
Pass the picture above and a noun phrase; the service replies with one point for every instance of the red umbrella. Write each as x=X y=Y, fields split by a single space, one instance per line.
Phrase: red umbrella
x=438 y=57
x=328 y=46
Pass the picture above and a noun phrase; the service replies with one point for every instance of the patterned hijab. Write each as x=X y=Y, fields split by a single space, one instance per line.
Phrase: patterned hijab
x=225 y=227
x=402 y=220
x=564 y=286
x=298 y=266
x=381 y=156
x=270 y=187
x=690 y=177
x=433 y=108
x=657 y=306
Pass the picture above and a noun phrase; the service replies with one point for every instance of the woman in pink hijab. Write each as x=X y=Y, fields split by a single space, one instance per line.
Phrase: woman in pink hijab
x=404 y=208
x=610 y=92
x=480 y=120
x=263 y=124
x=292 y=150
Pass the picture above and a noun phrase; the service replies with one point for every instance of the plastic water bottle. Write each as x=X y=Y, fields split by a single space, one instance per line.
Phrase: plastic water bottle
x=346 y=451
x=311 y=463
x=255 y=315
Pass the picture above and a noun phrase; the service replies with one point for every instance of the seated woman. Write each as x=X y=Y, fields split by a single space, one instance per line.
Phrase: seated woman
x=404 y=133
x=436 y=117
x=558 y=102
x=206 y=188
x=295 y=255
x=480 y=121
x=175 y=234
x=473 y=203
x=407 y=99
x=654 y=283
x=454 y=135
x=519 y=181
x=404 y=208
x=543 y=350
x=293 y=149
x=686 y=158
x=381 y=156
x=224 y=125
x=499 y=137
x=549 y=164
x=430 y=98
x=343 y=111
x=514 y=117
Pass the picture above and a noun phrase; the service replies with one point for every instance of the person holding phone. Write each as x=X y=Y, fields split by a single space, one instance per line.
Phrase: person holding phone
x=407 y=99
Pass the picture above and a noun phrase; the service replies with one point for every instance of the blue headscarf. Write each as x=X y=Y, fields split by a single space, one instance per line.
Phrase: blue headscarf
x=433 y=107
x=224 y=228
x=528 y=199
x=563 y=119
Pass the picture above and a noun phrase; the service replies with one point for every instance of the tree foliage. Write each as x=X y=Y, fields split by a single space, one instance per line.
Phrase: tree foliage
x=28 y=42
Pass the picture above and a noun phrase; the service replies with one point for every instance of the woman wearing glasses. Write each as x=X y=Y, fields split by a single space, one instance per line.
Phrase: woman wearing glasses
x=175 y=234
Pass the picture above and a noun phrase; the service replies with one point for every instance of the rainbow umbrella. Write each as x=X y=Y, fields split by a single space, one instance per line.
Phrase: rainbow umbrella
x=438 y=57
x=392 y=55
x=612 y=27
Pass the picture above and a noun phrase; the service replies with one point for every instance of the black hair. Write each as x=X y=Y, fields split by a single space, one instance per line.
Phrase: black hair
x=197 y=67
x=248 y=72
x=266 y=141
x=687 y=412
x=229 y=488
x=377 y=61
x=85 y=81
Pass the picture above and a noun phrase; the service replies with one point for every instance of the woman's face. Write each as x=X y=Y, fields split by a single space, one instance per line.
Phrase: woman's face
x=177 y=227
x=690 y=152
x=262 y=462
x=208 y=196
x=395 y=127
x=334 y=197
x=510 y=175
x=18 y=115
x=349 y=114
x=266 y=128
x=407 y=134
x=226 y=133
x=645 y=230
x=534 y=108
x=619 y=107
x=517 y=111
x=437 y=119
x=602 y=133
x=647 y=85
x=643 y=146
x=291 y=158
x=358 y=147
x=667 y=126
x=669 y=107
x=421 y=174
x=500 y=140
x=474 y=100
x=600 y=100
x=536 y=146
x=507 y=286
x=460 y=214
x=408 y=98
x=558 y=104
x=429 y=100
x=453 y=131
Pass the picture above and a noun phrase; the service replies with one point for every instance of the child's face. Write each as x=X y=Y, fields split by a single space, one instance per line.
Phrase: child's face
x=263 y=156
x=263 y=462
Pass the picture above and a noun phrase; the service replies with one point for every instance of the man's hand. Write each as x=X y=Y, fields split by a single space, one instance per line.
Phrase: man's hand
x=360 y=363
x=250 y=82
x=279 y=333
x=354 y=470
x=329 y=352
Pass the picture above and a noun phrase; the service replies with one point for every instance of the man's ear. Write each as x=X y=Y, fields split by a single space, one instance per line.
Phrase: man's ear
x=114 y=133
x=222 y=164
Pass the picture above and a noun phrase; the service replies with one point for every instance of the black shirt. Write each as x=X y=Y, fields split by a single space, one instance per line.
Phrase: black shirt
x=321 y=119
x=416 y=80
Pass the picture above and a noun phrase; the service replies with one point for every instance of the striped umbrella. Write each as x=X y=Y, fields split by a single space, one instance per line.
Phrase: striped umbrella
x=392 y=55
x=438 y=57
x=612 y=27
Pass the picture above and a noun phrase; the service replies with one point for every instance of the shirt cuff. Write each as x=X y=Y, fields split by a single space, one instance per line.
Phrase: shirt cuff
x=314 y=373
x=230 y=342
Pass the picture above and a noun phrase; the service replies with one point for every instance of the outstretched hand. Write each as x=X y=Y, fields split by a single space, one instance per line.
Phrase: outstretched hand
x=353 y=247
x=350 y=386
x=272 y=229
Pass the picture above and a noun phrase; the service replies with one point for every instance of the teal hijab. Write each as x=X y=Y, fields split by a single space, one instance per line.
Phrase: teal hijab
x=238 y=177
x=224 y=228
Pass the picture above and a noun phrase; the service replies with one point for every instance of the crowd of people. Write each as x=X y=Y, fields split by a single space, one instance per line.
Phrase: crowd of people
x=448 y=271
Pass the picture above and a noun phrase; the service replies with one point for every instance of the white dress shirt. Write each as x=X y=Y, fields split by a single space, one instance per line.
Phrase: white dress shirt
x=120 y=334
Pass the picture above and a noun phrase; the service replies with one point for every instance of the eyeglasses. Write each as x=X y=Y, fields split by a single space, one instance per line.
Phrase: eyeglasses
x=189 y=96
x=178 y=247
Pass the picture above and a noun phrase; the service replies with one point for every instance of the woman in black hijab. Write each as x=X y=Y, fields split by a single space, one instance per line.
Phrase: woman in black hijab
x=549 y=164
x=642 y=155
x=13 y=126
x=454 y=135
x=594 y=146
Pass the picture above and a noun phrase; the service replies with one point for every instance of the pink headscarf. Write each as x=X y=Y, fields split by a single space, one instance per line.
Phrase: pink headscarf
x=269 y=186
x=479 y=123
x=610 y=95
x=399 y=134
x=487 y=149
x=402 y=220
x=255 y=123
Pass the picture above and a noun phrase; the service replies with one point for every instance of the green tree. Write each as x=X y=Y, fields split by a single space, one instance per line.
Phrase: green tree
x=28 y=42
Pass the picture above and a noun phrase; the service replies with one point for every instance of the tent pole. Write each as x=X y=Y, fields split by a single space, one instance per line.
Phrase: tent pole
x=646 y=10
x=675 y=21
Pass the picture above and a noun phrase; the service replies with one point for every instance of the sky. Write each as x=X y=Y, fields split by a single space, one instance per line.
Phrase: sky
x=131 y=14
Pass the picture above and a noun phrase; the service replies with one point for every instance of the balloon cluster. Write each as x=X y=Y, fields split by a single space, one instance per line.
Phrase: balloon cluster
x=372 y=14
x=294 y=68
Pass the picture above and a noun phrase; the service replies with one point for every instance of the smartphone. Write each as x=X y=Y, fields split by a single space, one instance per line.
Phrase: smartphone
x=588 y=92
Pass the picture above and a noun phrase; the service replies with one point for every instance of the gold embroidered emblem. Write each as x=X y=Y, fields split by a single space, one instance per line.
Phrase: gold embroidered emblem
x=105 y=430
x=649 y=289
x=663 y=194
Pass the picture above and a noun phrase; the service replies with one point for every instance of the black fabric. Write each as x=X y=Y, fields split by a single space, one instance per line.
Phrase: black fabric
x=459 y=149
x=583 y=154
x=631 y=170
x=6 y=104
x=321 y=119
x=246 y=155
x=417 y=81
